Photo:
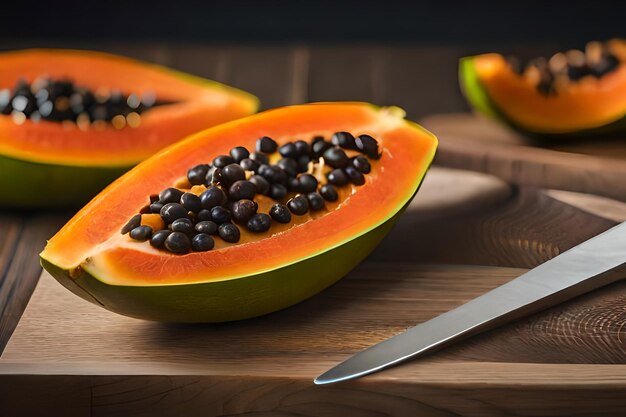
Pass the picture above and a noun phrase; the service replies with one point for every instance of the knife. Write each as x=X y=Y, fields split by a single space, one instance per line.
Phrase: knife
x=590 y=265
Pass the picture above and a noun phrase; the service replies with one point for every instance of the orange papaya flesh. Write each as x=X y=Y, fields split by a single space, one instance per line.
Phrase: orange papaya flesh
x=260 y=273
x=587 y=106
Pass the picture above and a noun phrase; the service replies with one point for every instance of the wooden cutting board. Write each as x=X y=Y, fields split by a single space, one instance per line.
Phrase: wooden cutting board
x=596 y=166
x=68 y=357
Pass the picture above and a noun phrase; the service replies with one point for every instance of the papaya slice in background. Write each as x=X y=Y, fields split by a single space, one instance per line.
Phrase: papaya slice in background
x=51 y=164
x=584 y=103
x=93 y=259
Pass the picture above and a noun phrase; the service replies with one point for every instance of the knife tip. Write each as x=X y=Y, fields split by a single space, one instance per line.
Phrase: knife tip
x=331 y=376
x=322 y=380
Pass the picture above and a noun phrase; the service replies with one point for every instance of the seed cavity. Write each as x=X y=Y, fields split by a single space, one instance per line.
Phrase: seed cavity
x=549 y=76
x=61 y=100
x=217 y=200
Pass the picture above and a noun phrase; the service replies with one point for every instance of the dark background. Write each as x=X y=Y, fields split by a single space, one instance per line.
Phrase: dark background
x=479 y=23
x=386 y=51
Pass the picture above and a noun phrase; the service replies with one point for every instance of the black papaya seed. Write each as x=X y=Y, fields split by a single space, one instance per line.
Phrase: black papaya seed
x=156 y=207
x=183 y=226
x=259 y=223
x=220 y=214
x=243 y=210
x=212 y=197
x=222 y=160
x=191 y=202
x=362 y=164
x=232 y=173
x=249 y=164
x=158 y=238
x=260 y=158
x=329 y=193
x=229 y=232
x=206 y=226
x=177 y=242
x=302 y=148
x=336 y=157
x=278 y=191
x=242 y=189
x=293 y=185
x=203 y=215
x=273 y=174
x=288 y=150
x=307 y=182
x=239 y=153
x=132 y=223
x=355 y=176
x=197 y=174
x=316 y=202
x=202 y=242
x=280 y=213
x=337 y=177
x=298 y=205
x=290 y=166
x=368 y=145
x=141 y=233
x=170 y=195
x=303 y=163
x=173 y=211
x=344 y=140
x=261 y=184
x=320 y=147
x=266 y=145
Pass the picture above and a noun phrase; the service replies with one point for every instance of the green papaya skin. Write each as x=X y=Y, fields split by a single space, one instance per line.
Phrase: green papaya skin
x=26 y=184
x=228 y=300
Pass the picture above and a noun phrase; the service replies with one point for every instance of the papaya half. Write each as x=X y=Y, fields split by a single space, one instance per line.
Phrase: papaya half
x=51 y=156
x=572 y=94
x=268 y=268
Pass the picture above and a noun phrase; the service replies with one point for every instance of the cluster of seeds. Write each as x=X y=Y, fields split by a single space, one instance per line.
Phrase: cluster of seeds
x=219 y=198
x=567 y=67
x=63 y=101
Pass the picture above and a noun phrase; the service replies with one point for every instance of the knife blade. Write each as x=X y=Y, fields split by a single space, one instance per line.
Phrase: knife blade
x=592 y=264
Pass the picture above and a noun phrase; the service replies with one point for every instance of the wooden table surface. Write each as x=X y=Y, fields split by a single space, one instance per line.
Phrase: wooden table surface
x=420 y=79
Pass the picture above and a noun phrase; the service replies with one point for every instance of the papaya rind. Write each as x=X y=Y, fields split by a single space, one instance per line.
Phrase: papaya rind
x=478 y=98
x=27 y=184
x=229 y=300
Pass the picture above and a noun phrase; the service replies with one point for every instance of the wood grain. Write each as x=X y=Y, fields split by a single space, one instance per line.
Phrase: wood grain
x=116 y=365
x=67 y=348
x=478 y=144
x=523 y=231
x=21 y=244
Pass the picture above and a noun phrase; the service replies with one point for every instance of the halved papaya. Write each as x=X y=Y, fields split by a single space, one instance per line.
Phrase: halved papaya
x=55 y=163
x=264 y=272
x=572 y=94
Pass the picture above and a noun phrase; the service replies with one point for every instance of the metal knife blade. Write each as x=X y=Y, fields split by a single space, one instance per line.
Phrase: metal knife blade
x=590 y=265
